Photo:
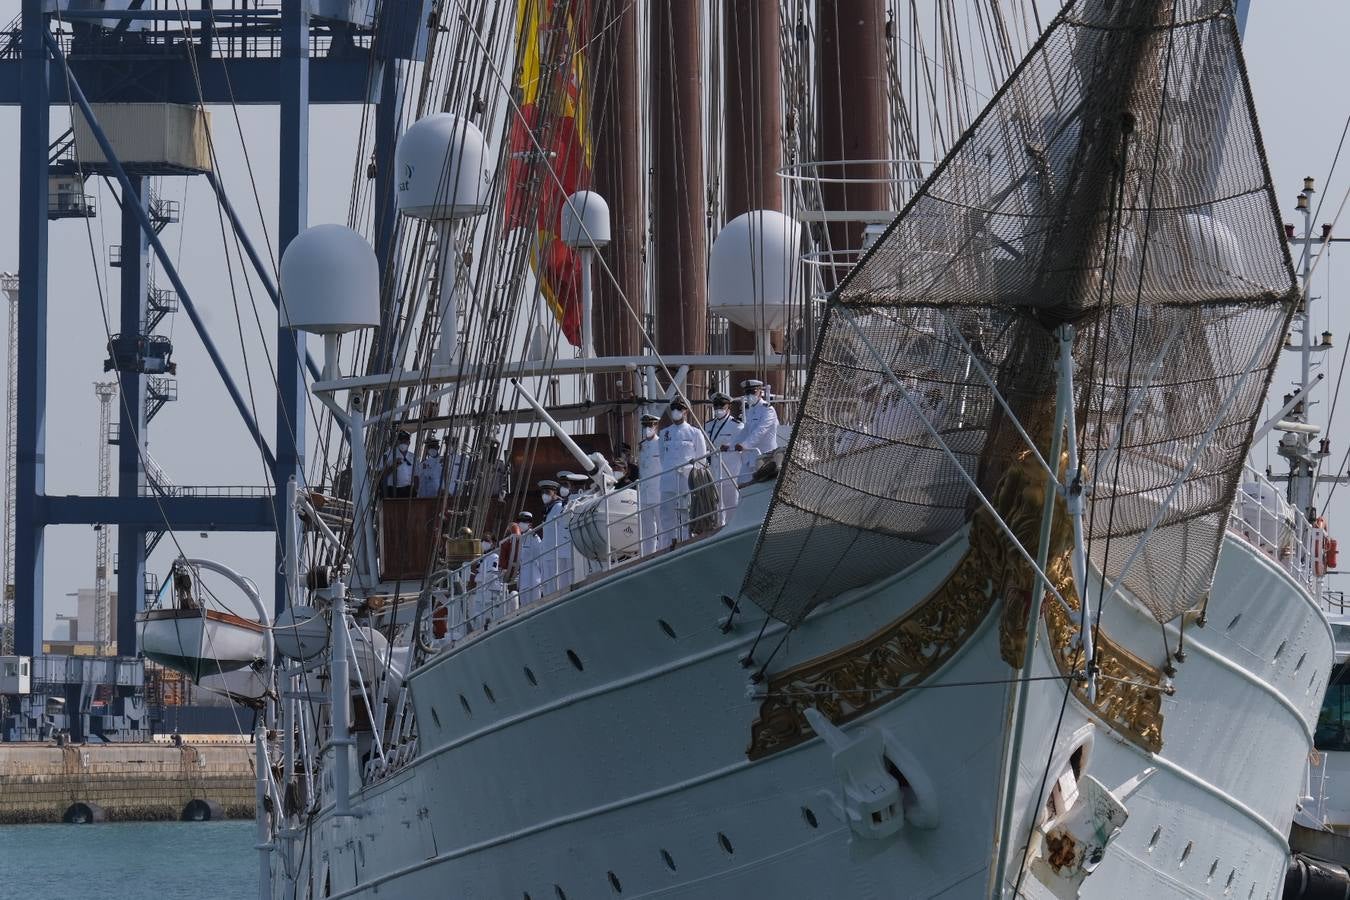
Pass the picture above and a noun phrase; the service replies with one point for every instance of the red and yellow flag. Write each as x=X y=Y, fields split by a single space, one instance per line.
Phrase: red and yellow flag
x=550 y=144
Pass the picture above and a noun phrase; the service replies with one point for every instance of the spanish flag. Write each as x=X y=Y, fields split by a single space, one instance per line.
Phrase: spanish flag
x=550 y=144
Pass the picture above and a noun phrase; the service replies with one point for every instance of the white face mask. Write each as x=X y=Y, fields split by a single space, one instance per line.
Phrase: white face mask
x=752 y=399
x=548 y=497
x=434 y=452
x=720 y=413
x=564 y=491
x=676 y=415
x=402 y=447
x=649 y=431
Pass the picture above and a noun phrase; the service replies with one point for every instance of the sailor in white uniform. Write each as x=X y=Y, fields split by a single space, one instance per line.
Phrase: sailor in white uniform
x=574 y=489
x=488 y=591
x=759 y=426
x=431 y=470
x=398 y=466
x=527 y=552
x=724 y=430
x=560 y=520
x=649 y=484
x=681 y=445
x=548 y=550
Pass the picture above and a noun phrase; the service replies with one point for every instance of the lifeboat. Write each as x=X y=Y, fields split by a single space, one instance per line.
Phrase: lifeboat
x=184 y=635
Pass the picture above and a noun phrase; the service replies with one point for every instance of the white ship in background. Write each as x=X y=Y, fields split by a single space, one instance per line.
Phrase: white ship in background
x=1005 y=614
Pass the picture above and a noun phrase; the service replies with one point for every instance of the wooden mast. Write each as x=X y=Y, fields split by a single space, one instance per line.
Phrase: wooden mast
x=679 y=199
x=615 y=112
x=752 y=145
x=853 y=117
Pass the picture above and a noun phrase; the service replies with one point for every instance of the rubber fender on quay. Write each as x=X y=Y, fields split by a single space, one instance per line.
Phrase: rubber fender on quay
x=1310 y=878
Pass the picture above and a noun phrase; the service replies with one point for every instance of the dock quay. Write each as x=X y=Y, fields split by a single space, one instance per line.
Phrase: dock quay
x=126 y=781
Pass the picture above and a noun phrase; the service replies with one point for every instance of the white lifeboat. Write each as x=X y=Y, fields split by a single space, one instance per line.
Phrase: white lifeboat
x=184 y=635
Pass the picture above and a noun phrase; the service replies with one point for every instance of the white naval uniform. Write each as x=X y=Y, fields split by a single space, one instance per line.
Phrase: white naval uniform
x=430 y=472
x=487 y=590
x=681 y=444
x=649 y=492
x=726 y=468
x=548 y=551
x=560 y=521
x=529 y=550
x=759 y=434
x=402 y=463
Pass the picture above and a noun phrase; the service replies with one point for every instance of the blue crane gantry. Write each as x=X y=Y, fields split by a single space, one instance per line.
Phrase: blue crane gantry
x=308 y=51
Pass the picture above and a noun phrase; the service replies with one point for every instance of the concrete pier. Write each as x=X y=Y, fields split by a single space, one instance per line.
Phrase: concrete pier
x=125 y=782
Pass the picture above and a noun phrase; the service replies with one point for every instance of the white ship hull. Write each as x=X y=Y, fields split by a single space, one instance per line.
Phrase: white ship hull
x=611 y=755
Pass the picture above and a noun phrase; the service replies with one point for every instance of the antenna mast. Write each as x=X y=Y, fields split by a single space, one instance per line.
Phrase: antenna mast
x=9 y=283
x=105 y=391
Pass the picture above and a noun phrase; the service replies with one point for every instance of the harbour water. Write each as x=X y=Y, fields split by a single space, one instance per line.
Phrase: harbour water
x=129 y=861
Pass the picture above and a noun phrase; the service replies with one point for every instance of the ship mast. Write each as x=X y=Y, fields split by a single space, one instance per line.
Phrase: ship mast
x=679 y=202
x=618 y=178
x=853 y=112
x=1297 y=443
x=752 y=146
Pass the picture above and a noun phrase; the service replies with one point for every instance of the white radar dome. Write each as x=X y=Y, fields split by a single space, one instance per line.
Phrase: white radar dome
x=752 y=270
x=585 y=221
x=330 y=281
x=441 y=169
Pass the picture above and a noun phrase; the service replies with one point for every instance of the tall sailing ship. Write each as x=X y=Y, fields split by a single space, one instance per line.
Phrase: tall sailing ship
x=1000 y=610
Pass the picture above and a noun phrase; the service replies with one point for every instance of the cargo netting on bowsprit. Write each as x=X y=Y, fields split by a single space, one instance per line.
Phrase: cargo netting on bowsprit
x=1116 y=183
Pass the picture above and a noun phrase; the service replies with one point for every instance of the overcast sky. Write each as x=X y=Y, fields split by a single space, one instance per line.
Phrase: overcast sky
x=1295 y=54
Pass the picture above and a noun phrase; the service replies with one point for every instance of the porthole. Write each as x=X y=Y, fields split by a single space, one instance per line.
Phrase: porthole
x=809 y=817
x=1234 y=622
x=726 y=844
x=1186 y=853
x=1301 y=660
x=575 y=661
x=463 y=701
x=436 y=717
x=487 y=692
x=529 y=676
x=1153 y=841
x=1228 y=885
x=1213 y=867
x=665 y=626
x=1280 y=650
x=614 y=883
x=666 y=857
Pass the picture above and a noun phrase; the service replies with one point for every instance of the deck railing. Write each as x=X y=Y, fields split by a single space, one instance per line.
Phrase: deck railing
x=479 y=593
x=1264 y=518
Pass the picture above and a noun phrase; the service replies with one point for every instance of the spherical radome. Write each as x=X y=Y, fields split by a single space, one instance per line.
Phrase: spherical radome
x=753 y=270
x=585 y=221
x=441 y=169
x=330 y=281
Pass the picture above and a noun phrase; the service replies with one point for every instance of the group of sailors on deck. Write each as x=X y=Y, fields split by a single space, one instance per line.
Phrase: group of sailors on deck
x=543 y=560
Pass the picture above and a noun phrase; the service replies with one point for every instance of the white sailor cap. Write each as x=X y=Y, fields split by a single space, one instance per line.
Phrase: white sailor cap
x=750 y=384
x=548 y=484
x=648 y=417
x=525 y=516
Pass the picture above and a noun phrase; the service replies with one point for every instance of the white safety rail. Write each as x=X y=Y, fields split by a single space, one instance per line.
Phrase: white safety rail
x=467 y=601
x=1265 y=519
